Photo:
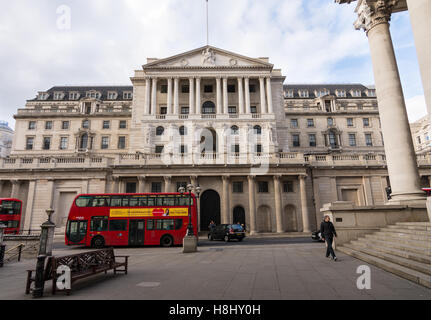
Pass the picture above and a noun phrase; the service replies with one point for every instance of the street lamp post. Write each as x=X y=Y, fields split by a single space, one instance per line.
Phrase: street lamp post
x=190 y=242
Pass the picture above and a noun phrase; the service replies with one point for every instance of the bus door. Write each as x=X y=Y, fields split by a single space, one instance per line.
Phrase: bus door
x=136 y=232
x=76 y=231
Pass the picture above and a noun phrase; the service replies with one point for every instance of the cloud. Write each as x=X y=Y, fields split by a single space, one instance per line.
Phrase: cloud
x=416 y=107
x=310 y=40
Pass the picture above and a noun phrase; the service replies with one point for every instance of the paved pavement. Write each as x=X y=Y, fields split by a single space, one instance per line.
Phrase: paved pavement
x=257 y=269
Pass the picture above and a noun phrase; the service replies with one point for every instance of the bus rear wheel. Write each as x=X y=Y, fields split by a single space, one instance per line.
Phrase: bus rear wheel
x=167 y=241
x=98 y=243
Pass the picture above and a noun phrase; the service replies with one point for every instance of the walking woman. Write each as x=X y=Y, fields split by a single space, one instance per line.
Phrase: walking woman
x=328 y=232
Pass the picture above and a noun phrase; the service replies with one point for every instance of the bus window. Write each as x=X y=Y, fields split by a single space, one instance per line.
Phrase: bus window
x=117 y=201
x=183 y=201
x=159 y=201
x=99 y=224
x=10 y=207
x=165 y=225
x=169 y=202
x=151 y=202
x=83 y=201
x=143 y=201
x=178 y=224
x=100 y=202
x=150 y=225
x=134 y=202
x=118 y=225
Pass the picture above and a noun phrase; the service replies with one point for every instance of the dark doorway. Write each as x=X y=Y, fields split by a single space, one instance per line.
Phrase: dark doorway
x=136 y=232
x=210 y=209
x=239 y=215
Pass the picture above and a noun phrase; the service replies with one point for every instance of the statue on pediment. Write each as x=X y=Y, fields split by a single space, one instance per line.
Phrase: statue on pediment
x=208 y=57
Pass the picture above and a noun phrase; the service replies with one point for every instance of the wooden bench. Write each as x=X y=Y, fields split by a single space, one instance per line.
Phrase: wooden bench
x=82 y=266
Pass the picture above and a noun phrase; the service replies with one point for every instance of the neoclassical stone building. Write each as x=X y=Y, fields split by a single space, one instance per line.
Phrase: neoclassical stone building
x=6 y=137
x=265 y=153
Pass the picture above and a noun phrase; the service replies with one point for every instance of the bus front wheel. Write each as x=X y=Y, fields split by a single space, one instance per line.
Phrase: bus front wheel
x=98 y=243
x=167 y=241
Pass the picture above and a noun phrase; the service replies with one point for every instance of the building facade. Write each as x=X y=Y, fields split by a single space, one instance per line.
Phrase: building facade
x=421 y=134
x=6 y=137
x=266 y=154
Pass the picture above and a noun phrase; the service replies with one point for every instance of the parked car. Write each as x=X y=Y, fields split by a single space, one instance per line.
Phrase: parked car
x=317 y=236
x=227 y=232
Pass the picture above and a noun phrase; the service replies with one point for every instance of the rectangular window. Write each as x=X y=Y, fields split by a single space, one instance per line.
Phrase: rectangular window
x=352 y=139
x=48 y=125
x=127 y=95
x=296 y=140
x=235 y=148
x=369 y=139
x=46 y=143
x=253 y=109
x=118 y=225
x=65 y=125
x=123 y=124
x=185 y=89
x=294 y=123
x=259 y=148
x=112 y=95
x=252 y=88
x=330 y=122
x=121 y=143
x=208 y=89
x=32 y=125
x=86 y=124
x=263 y=186
x=313 y=142
x=106 y=124
x=105 y=143
x=183 y=149
x=185 y=110
x=63 y=143
x=156 y=187
x=310 y=123
x=231 y=88
x=232 y=110
x=164 y=88
x=366 y=122
x=238 y=187
x=288 y=187
x=29 y=143
x=163 y=110
x=159 y=149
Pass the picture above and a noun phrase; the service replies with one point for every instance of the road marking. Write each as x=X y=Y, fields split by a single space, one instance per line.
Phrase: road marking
x=148 y=284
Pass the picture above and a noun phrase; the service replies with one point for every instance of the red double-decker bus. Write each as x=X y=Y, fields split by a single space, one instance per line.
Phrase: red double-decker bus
x=99 y=220
x=10 y=215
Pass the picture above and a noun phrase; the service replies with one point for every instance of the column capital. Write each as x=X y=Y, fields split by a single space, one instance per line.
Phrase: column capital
x=251 y=178
x=277 y=177
x=225 y=178
x=17 y=182
x=167 y=178
x=142 y=178
x=302 y=177
x=373 y=13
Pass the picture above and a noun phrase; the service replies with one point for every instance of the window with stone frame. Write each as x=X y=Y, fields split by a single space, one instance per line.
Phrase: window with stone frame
x=310 y=123
x=105 y=143
x=159 y=149
x=313 y=140
x=156 y=187
x=350 y=122
x=352 y=140
x=259 y=149
x=123 y=124
x=46 y=143
x=253 y=109
x=64 y=141
x=231 y=88
x=232 y=110
x=29 y=144
x=296 y=140
x=252 y=88
x=48 y=125
x=263 y=187
x=86 y=124
x=366 y=122
x=164 y=88
x=238 y=187
x=208 y=89
x=369 y=139
x=294 y=123
x=288 y=187
x=185 y=110
x=32 y=125
x=183 y=131
x=65 y=125
x=185 y=89
x=122 y=142
x=183 y=149
x=106 y=124
x=160 y=131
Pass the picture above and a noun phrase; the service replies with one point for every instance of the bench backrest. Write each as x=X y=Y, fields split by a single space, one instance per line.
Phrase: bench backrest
x=86 y=261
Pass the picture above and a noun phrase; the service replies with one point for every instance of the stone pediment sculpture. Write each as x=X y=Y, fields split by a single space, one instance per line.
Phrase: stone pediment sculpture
x=208 y=57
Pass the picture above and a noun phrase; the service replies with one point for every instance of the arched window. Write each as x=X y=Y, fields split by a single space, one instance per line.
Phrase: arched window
x=208 y=108
x=84 y=141
x=183 y=131
x=234 y=130
x=160 y=131
x=257 y=130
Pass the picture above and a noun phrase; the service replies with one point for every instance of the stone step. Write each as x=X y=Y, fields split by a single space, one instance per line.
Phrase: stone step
x=411 y=264
x=406 y=273
x=398 y=246
x=406 y=231
x=407 y=236
x=397 y=252
x=420 y=226
x=390 y=238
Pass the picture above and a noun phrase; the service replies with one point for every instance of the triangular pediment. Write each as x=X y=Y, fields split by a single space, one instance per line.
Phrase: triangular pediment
x=208 y=57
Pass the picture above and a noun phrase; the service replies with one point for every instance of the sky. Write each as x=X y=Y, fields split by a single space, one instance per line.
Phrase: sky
x=104 y=41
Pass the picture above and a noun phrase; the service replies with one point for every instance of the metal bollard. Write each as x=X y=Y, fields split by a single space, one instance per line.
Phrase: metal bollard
x=39 y=284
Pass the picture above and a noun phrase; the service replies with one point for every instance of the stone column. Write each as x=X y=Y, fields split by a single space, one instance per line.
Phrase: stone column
x=252 y=204
x=116 y=185
x=176 y=96
x=225 y=200
x=141 y=184
x=29 y=206
x=192 y=95
x=198 y=96
x=278 y=204
x=147 y=96
x=1 y=187
x=168 y=184
x=169 y=99
x=154 y=97
x=304 y=204
x=247 y=95
x=400 y=153
x=269 y=95
x=420 y=12
x=225 y=97
x=16 y=185
x=241 y=96
x=262 y=95
x=219 y=96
